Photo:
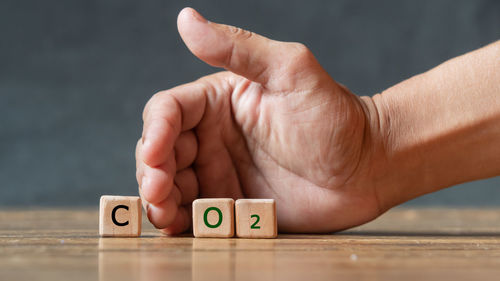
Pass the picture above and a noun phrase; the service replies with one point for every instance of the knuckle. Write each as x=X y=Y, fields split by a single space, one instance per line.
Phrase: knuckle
x=157 y=96
x=207 y=86
x=154 y=100
x=301 y=52
x=239 y=32
x=300 y=58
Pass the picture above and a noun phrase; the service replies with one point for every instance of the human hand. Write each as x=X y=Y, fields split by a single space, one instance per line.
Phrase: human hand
x=275 y=125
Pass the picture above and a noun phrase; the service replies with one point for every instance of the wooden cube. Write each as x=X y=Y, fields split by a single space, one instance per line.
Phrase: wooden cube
x=120 y=216
x=256 y=218
x=213 y=217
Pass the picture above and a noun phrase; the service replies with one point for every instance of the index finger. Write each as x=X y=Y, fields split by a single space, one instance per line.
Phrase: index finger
x=166 y=115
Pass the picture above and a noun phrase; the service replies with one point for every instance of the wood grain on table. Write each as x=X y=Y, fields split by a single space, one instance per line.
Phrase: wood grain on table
x=403 y=244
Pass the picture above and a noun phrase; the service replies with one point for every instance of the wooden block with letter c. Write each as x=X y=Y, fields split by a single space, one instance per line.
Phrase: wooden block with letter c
x=120 y=216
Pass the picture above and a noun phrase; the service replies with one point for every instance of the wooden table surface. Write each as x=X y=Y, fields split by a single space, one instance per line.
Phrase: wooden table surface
x=404 y=244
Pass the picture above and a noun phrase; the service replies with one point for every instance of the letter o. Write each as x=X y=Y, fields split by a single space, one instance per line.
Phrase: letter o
x=205 y=217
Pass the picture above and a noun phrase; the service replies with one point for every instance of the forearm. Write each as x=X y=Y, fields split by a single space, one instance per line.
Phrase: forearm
x=442 y=127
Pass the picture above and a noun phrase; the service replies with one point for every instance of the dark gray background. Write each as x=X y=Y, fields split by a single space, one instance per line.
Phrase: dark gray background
x=75 y=75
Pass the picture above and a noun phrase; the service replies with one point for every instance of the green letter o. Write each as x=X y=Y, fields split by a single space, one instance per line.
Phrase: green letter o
x=205 y=217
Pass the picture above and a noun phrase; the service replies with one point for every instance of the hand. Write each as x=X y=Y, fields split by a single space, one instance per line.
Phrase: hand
x=275 y=125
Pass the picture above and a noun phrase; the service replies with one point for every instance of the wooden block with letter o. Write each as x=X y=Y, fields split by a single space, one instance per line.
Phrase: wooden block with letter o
x=213 y=217
x=256 y=218
x=120 y=216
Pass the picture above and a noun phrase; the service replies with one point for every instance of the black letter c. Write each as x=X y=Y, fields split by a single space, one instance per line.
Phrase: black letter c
x=113 y=214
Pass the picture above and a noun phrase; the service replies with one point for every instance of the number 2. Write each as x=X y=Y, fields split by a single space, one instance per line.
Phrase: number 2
x=257 y=219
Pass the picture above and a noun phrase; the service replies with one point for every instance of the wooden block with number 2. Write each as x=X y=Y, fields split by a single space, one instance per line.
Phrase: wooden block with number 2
x=256 y=218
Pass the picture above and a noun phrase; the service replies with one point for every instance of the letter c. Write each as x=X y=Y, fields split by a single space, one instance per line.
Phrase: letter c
x=113 y=215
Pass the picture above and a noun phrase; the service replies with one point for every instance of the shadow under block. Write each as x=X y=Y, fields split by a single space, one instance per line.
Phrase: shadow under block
x=256 y=218
x=213 y=217
x=120 y=216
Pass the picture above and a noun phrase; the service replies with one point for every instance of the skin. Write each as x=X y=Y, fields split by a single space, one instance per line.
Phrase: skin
x=276 y=125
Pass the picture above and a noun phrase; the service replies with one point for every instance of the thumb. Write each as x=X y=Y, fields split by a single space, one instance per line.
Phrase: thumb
x=245 y=53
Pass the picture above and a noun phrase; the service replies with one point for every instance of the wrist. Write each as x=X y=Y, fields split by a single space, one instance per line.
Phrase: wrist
x=395 y=172
x=376 y=159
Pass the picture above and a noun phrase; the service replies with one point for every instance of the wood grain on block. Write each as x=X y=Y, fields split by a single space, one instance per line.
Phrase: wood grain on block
x=213 y=217
x=256 y=218
x=120 y=216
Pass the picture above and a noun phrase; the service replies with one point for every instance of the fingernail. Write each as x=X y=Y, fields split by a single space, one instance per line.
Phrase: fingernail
x=145 y=133
x=198 y=16
x=147 y=212
x=146 y=141
x=143 y=179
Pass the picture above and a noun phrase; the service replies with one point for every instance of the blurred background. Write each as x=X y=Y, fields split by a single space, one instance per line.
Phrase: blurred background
x=75 y=75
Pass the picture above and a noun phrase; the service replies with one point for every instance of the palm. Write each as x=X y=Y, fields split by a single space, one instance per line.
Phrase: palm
x=258 y=143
